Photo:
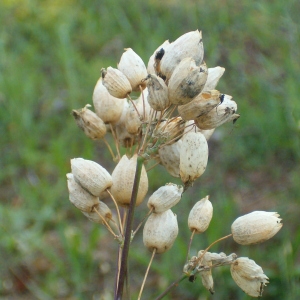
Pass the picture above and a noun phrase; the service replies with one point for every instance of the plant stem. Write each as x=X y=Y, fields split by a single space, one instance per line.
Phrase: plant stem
x=128 y=229
x=173 y=285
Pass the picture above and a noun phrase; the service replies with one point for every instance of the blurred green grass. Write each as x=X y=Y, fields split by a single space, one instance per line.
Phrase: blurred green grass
x=51 y=53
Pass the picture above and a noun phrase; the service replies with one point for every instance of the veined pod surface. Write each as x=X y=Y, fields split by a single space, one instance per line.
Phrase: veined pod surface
x=102 y=209
x=200 y=215
x=188 y=45
x=133 y=67
x=79 y=197
x=255 y=227
x=160 y=231
x=165 y=197
x=91 y=176
x=123 y=179
x=107 y=107
x=249 y=276
x=187 y=81
x=214 y=75
x=193 y=156
x=116 y=82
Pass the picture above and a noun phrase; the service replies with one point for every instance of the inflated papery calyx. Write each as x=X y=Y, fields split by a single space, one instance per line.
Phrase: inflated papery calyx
x=133 y=67
x=200 y=215
x=79 y=197
x=214 y=74
x=116 y=82
x=187 y=81
x=91 y=176
x=193 y=156
x=160 y=231
x=255 y=227
x=249 y=276
x=123 y=179
x=206 y=276
x=90 y=123
x=165 y=197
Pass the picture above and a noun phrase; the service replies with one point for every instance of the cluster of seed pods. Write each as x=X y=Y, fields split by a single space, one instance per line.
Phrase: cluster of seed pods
x=164 y=113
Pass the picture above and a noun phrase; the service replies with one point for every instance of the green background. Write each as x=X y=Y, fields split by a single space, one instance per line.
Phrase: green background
x=51 y=53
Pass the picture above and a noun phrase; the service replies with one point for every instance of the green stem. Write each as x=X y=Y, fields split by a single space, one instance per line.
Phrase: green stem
x=128 y=229
x=173 y=285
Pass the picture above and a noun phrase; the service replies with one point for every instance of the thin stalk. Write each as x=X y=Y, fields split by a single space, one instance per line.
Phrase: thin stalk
x=118 y=211
x=173 y=285
x=128 y=228
x=109 y=148
x=106 y=224
x=139 y=226
x=189 y=246
x=153 y=166
x=146 y=274
x=147 y=130
x=116 y=140
x=134 y=105
x=144 y=110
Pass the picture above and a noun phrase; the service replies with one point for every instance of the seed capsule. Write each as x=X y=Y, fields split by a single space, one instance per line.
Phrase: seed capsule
x=90 y=123
x=188 y=45
x=214 y=75
x=249 y=276
x=102 y=209
x=107 y=107
x=193 y=156
x=151 y=68
x=91 y=176
x=200 y=105
x=186 y=82
x=160 y=231
x=123 y=178
x=206 y=276
x=165 y=198
x=116 y=82
x=255 y=227
x=133 y=67
x=79 y=197
x=200 y=215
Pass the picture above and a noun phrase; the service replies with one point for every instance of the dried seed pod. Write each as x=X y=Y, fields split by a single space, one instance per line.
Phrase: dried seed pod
x=107 y=107
x=91 y=176
x=160 y=231
x=102 y=209
x=225 y=112
x=151 y=68
x=158 y=93
x=133 y=119
x=187 y=81
x=79 y=197
x=133 y=67
x=116 y=82
x=193 y=156
x=214 y=75
x=123 y=178
x=190 y=126
x=206 y=276
x=188 y=45
x=255 y=227
x=171 y=130
x=249 y=276
x=165 y=197
x=90 y=123
x=170 y=157
x=200 y=215
x=200 y=105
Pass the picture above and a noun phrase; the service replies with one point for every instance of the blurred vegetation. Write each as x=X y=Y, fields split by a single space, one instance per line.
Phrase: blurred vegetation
x=51 y=53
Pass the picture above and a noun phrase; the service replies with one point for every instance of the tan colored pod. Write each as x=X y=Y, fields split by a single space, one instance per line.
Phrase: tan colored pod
x=169 y=156
x=188 y=45
x=186 y=82
x=79 y=197
x=133 y=120
x=133 y=67
x=200 y=105
x=157 y=92
x=102 y=209
x=91 y=176
x=165 y=197
x=193 y=156
x=206 y=276
x=160 y=231
x=190 y=126
x=123 y=178
x=90 y=123
x=151 y=68
x=214 y=75
x=223 y=113
x=200 y=215
x=107 y=107
x=116 y=82
x=249 y=276
x=255 y=227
